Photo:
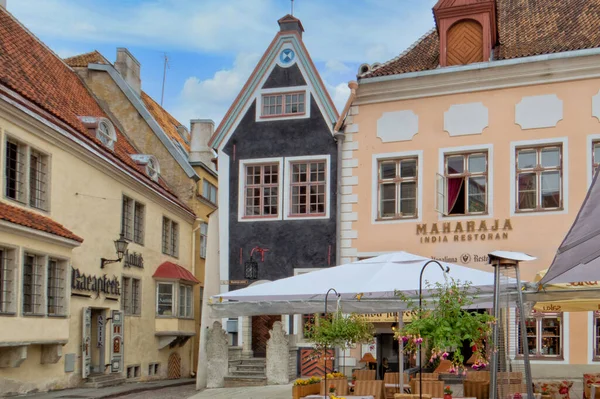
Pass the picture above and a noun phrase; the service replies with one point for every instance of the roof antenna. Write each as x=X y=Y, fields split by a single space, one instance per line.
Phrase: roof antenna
x=292 y=8
x=166 y=65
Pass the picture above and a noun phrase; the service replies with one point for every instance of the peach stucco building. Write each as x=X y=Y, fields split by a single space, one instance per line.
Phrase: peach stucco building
x=482 y=136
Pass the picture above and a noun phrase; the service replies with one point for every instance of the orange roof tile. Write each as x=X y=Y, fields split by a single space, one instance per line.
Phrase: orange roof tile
x=166 y=121
x=525 y=28
x=83 y=60
x=35 y=221
x=172 y=271
x=32 y=70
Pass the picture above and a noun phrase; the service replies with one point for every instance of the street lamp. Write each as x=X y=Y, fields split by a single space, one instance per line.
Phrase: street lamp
x=121 y=247
x=251 y=269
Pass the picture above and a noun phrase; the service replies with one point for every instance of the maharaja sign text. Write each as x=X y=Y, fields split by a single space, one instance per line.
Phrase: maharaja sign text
x=470 y=230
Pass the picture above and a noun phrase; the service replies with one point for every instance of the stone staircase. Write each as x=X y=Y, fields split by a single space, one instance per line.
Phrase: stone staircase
x=104 y=380
x=246 y=373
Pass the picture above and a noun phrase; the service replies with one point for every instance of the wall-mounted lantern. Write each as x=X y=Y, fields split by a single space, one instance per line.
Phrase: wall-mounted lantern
x=120 y=246
x=251 y=265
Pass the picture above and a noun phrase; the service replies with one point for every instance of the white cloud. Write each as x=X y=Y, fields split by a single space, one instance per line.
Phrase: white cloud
x=210 y=98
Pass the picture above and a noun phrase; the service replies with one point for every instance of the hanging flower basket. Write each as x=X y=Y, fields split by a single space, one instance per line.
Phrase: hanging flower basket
x=337 y=330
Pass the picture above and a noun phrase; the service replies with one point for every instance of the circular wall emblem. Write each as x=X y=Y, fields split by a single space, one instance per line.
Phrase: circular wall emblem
x=287 y=55
x=465 y=258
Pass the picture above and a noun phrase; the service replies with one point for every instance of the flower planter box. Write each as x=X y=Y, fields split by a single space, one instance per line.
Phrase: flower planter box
x=300 y=391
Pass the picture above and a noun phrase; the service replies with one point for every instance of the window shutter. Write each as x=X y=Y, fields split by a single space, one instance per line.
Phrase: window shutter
x=441 y=194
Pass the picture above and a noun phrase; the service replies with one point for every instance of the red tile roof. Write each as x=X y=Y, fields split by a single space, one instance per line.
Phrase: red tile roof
x=525 y=28
x=172 y=271
x=83 y=60
x=167 y=122
x=35 y=221
x=54 y=91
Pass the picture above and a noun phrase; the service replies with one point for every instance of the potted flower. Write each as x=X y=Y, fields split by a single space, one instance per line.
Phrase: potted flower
x=332 y=390
x=447 y=392
x=305 y=387
x=545 y=392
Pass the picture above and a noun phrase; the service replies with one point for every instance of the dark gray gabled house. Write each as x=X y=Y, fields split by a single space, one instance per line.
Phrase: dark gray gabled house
x=278 y=177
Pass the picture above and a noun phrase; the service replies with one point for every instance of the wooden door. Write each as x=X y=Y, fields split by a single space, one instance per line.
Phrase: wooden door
x=261 y=325
x=465 y=43
x=86 y=342
x=312 y=363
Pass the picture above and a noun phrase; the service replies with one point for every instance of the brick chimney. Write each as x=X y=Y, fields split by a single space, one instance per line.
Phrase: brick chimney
x=201 y=132
x=290 y=23
x=129 y=68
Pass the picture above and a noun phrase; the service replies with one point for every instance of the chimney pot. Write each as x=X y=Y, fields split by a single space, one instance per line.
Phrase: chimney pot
x=201 y=132
x=290 y=23
x=129 y=68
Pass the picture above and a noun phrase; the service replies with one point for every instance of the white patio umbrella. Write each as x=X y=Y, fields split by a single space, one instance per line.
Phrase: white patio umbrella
x=374 y=281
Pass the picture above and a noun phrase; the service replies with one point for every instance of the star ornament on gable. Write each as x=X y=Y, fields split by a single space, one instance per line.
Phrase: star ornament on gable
x=359 y=296
x=287 y=56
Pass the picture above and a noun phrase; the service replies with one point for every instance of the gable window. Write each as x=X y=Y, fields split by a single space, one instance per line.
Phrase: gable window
x=186 y=293
x=595 y=156
x=56 y=287
x=397 y=181
x=152 y=168
x=261 y=190
x=19 y=160
x=132 y=220
x=106 y=133
x=203 y=239
x=544 y=335
x=7 y=280
x=283 y=104
x=164 y=299
x=466 y=177
x=170 y=237
x=33 y=274
x=539 y=178
x=209 y=191
x=308 y=188
x=131 y=296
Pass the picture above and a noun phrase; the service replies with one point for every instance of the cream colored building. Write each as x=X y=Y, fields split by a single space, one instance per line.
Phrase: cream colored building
x=71 y=184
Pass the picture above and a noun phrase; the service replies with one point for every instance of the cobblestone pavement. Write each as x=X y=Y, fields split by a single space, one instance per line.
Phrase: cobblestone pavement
x=268 y=392
x=181 y=392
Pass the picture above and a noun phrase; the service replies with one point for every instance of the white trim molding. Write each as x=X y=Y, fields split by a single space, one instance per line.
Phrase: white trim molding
x=242 y=190
x=283 y=90
x=564 y=141
x=375 y=181
x=466 y=119
x=590 y=140
x=591 y=337
x=397 y=126
x=287 y=194
x=535 y=112
x=224 y=199
x=490 y=177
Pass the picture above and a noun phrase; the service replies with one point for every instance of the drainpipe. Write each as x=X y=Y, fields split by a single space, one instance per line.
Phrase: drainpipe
x=339 y=137
x=199 y=221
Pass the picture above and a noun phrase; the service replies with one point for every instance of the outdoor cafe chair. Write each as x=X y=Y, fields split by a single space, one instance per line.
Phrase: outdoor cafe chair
x=362 y=375
x=340 y=384
x=372 y=388
x=430 y=387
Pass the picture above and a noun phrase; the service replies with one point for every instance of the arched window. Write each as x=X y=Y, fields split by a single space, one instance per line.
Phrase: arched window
x=106 y=133
x=152 y=168
x=464 y=43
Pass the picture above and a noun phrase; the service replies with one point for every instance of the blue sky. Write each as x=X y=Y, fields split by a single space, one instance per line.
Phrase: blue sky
x=213 y=45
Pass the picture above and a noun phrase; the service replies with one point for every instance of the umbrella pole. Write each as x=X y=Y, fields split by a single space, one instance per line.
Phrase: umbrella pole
x=325 y=348
x=401 y=352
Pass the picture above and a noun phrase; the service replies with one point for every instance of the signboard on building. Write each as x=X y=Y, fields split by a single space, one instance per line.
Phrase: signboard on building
x=100 y=343
x=464 y=231
x=133 y=259
x=85 y=282
x=234 y=282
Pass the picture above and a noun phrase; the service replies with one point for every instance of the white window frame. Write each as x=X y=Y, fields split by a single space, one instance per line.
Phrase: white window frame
x=489 y=148
x=108 y=138
x=62 y=287
x=514 y=145
x=171 y=248
x=128 y=300
x=25 y=151
x=287 y=179
x=283 y=90
x=203 y=239
x=173 y=298
x=590 y=160
x=8 y=279
x=207 y=189
x=132 y=219
x=188 y=292
x=375 y=183
x=242 y=189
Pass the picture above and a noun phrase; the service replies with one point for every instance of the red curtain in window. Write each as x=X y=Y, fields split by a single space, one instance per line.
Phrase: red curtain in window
x=454 y=186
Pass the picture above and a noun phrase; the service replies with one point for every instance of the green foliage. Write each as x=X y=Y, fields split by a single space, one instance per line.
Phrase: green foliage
x=443 y=324
x=338 y=330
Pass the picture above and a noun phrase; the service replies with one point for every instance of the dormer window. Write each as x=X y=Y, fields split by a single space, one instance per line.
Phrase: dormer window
x=106 y=133
x=150 y=164
x=152 y=169
x=283 y=104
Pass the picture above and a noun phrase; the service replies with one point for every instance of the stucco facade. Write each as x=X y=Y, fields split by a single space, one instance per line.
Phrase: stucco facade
x=496 y=111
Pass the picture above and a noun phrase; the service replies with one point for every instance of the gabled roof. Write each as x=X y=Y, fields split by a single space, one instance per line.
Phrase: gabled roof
x=263 y=67
x=32 y=220
x=166 y=121
x=169 y=270
x=83 y=60
x=54 y=91
x=525 y=28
